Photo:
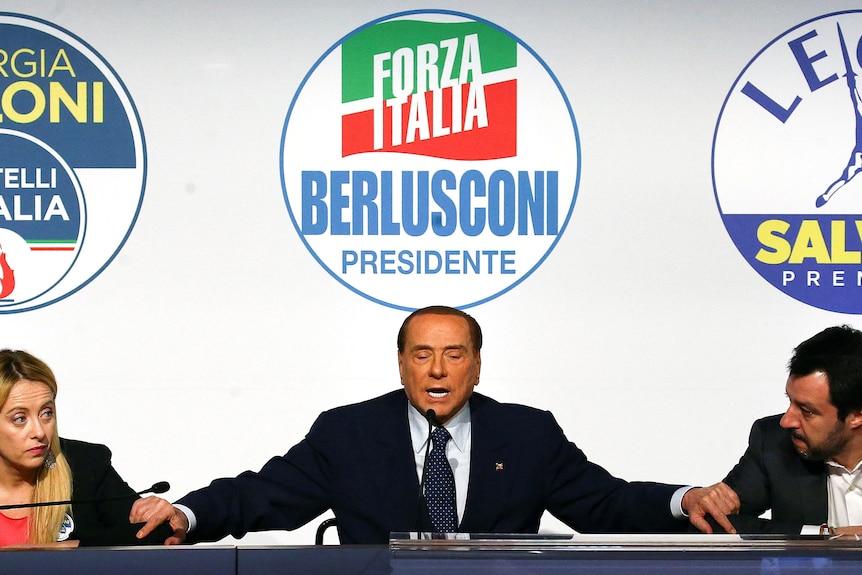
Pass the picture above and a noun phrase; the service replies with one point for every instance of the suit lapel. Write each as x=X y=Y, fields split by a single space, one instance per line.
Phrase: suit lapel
x=813 y=494
x=489 y=482
x=806 y=482
x=391 y=461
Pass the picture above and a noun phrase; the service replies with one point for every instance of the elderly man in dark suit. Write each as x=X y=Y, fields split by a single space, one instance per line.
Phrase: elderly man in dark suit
x=806 y=465
x=500 y=466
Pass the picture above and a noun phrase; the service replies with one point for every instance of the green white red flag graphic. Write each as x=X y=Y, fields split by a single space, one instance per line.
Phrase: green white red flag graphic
x=445 y=90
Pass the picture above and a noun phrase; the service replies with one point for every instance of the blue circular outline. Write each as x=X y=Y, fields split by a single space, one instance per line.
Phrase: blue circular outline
x=448 y=13
x=715 y=136
x=143 y=156
x=83 y=208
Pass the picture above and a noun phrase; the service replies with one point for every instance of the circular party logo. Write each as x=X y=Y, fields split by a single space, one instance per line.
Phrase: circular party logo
x=787 y=158
x=72 y=165
x=430 y=156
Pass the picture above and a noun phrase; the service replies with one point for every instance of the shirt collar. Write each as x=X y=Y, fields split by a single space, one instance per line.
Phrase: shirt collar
x=458 y=427
x=837 y=469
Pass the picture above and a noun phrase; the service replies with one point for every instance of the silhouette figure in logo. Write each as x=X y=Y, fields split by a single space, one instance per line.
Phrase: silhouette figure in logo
x=854 y=165
x=7 y=281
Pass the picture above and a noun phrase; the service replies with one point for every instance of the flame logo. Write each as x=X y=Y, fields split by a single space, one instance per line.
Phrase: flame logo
x=7 y=281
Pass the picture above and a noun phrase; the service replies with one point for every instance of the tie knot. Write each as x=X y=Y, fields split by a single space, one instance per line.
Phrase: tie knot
x=440 y=436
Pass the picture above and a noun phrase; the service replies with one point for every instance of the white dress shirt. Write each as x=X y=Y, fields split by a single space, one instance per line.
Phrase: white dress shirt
x=457 y=449
x=845 y=494
x=844 y=497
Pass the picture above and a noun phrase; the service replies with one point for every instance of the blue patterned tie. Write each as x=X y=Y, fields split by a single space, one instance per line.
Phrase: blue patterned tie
x=440 y=485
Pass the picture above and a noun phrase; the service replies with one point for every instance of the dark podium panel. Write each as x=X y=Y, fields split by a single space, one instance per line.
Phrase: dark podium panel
x=468 y=555
x=554 y=555
x=627 y=554
x=322 y=560
x=121 y=561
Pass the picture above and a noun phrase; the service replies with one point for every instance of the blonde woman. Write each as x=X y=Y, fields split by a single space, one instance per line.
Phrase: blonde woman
x=37 y=466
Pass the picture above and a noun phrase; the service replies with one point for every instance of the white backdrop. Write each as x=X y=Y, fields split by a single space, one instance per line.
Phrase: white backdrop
x=214 y=339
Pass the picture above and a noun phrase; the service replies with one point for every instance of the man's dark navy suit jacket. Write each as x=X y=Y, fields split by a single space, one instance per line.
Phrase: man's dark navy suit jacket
x=358 y=461
x=772 y=475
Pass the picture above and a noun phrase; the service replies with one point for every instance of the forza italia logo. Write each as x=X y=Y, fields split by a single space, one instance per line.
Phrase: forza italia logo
x=787 y=157
x=430 y=156
x=434 y=99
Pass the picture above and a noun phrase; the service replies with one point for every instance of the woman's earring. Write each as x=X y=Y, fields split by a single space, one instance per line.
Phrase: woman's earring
x=50 y=460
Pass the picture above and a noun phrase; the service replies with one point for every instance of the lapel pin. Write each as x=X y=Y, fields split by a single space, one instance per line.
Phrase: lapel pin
x=498 y=467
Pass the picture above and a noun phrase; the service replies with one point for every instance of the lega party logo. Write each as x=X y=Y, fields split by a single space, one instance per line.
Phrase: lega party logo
x=72 y=164
x=430 y=156
x=787 y=157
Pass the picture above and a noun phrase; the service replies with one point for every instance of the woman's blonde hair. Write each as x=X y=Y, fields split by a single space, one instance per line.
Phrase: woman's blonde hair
x=52 y=483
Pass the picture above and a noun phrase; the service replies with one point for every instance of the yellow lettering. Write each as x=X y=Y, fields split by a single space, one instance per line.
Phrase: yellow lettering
x=98 y=102
x=840 y=255
x=28 y=66
x=61 y=62
x=26 y=63
x=770 y=235
x=77 y=108
x=59 y=101
x=809 y=244
x=15 y=115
